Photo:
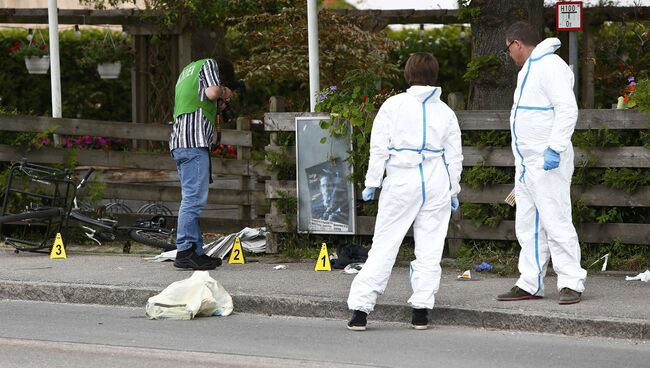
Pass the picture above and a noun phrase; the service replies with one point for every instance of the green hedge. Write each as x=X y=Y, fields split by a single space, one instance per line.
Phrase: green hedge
x=84 y=95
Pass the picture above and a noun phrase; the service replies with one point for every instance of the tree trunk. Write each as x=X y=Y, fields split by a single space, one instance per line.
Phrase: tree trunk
x=494 y=86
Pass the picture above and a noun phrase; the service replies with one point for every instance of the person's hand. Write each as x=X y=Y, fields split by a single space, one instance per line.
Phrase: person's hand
x=226 y=93
x=551 y=159
x=454 y=203
x=368 y=194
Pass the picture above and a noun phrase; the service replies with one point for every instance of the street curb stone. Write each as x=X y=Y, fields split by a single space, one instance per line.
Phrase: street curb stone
x=565 y=324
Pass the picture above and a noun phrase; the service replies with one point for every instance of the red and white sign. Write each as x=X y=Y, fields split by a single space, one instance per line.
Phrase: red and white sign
x=568 y=16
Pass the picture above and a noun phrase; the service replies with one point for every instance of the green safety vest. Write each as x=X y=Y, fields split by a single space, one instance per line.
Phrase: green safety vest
x=187 y=99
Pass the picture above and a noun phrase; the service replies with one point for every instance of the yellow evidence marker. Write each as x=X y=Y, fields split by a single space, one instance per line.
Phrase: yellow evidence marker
x=236 y=253
x=58 y=250
x=323 y=261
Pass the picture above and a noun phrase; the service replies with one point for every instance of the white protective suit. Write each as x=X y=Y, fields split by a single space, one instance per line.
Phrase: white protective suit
x=544 y=115
x=416 y=139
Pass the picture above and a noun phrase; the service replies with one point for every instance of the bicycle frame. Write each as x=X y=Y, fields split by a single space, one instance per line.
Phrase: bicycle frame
x=66 y=203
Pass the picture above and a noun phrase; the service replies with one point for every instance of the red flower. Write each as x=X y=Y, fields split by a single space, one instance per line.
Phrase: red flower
x=42 y=46
x=631 y=87
x=626 y=98
x=363 y=99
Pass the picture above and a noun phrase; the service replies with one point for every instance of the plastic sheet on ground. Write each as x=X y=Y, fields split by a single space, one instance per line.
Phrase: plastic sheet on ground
x=252 y=240
x=643 y=276
x=197 y=296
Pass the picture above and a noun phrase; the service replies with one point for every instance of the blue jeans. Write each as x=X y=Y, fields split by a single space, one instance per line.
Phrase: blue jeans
x=193 y=170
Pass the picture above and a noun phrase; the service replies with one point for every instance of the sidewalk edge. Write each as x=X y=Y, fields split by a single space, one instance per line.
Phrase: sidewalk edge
x=315 y=307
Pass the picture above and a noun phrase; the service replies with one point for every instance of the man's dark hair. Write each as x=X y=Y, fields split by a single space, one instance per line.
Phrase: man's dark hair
x=421 y=69
x=524 y=32
x=226 y=71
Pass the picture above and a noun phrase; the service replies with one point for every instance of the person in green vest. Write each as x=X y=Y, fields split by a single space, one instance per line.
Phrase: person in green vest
x=200 y=94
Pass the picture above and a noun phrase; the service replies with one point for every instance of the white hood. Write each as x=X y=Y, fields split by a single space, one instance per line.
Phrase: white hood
x=549 y=45
x=422 y=92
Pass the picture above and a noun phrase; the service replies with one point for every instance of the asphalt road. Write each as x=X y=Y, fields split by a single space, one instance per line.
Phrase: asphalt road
x=34 y=334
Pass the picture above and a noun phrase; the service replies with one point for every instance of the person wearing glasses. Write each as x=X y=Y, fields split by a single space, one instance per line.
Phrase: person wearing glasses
x=542 y=120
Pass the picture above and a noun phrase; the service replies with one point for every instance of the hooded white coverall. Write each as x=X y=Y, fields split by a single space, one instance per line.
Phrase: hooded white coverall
x=544 y=114
x=416 y=139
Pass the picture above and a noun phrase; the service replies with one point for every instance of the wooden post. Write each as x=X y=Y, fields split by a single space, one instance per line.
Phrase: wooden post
x=588 y=65
x=140 y=82
x=244 y=153
x=456 y=101
x=276 y=104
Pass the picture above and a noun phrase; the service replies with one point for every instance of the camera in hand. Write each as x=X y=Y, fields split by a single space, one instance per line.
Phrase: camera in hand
x=228 y=114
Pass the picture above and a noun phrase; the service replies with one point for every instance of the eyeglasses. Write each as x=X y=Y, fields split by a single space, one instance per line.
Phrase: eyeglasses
x=506 y=51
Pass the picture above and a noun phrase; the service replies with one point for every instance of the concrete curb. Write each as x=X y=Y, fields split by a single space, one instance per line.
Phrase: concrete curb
x=337 y=309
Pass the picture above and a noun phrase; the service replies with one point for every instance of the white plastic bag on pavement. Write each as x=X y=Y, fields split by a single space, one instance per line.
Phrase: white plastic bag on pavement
x=643 y=276
x=197 y=296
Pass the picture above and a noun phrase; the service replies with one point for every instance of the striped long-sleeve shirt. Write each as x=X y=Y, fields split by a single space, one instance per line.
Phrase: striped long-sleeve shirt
x=193 y=130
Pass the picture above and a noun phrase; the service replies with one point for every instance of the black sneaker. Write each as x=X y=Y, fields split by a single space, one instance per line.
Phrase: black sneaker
x=188 y=259
x=419 y=321
x=358 y=321
x=516 y=294
x=207 y=257
x=569 y=296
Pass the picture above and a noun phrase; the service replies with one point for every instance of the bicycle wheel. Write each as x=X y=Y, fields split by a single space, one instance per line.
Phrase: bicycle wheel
x=32 y=215
x=159 y=238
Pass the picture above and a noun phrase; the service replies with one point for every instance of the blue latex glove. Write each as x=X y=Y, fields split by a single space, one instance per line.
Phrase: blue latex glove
x=551 y=159
x=454 y=204
x=368 y=194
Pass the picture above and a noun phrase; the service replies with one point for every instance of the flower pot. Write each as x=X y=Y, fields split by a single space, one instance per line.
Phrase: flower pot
x=109 y=70
x=37 y=64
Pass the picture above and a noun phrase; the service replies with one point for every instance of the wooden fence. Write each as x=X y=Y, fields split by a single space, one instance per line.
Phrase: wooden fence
x=598 y=195
x=151 y=176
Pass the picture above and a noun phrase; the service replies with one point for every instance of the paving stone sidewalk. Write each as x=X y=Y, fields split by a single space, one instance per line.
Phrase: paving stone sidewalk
x=611 y=306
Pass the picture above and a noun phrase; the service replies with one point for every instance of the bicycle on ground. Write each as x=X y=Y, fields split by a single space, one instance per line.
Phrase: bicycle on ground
x=47 y=198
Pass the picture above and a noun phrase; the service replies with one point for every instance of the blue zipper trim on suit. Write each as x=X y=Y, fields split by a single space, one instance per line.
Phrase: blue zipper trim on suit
x=514 y=125
x=444 y=160
x=517 y=107
x=548 y=53
x=424 y=141
x=424 y=119
x=424 y=194
x=535 y=108
x=434 y=150
x=539 y=267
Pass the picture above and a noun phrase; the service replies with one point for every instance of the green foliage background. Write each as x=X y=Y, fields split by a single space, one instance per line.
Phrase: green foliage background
x=84 y=95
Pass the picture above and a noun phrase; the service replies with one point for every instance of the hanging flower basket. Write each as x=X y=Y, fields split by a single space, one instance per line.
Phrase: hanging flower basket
x=37 y=64
x=109 y=70
x=35 y=54
x=108 y=55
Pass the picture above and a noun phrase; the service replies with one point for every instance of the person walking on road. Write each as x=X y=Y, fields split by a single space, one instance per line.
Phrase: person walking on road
x=542 y=120
x=198 y=94
x=416 y=140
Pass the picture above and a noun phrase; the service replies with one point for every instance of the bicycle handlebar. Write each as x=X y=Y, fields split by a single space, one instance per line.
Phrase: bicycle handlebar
x=86 y=176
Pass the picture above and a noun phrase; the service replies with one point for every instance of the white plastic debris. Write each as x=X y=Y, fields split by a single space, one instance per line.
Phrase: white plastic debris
x=353 y=268
x=200 y=295
x=604 y=268
x=252 y=240
x=280 y=267
x=643 y=276
x=467 y=276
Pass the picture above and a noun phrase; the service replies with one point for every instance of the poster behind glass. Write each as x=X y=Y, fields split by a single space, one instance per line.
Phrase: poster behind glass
x=325 y=195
